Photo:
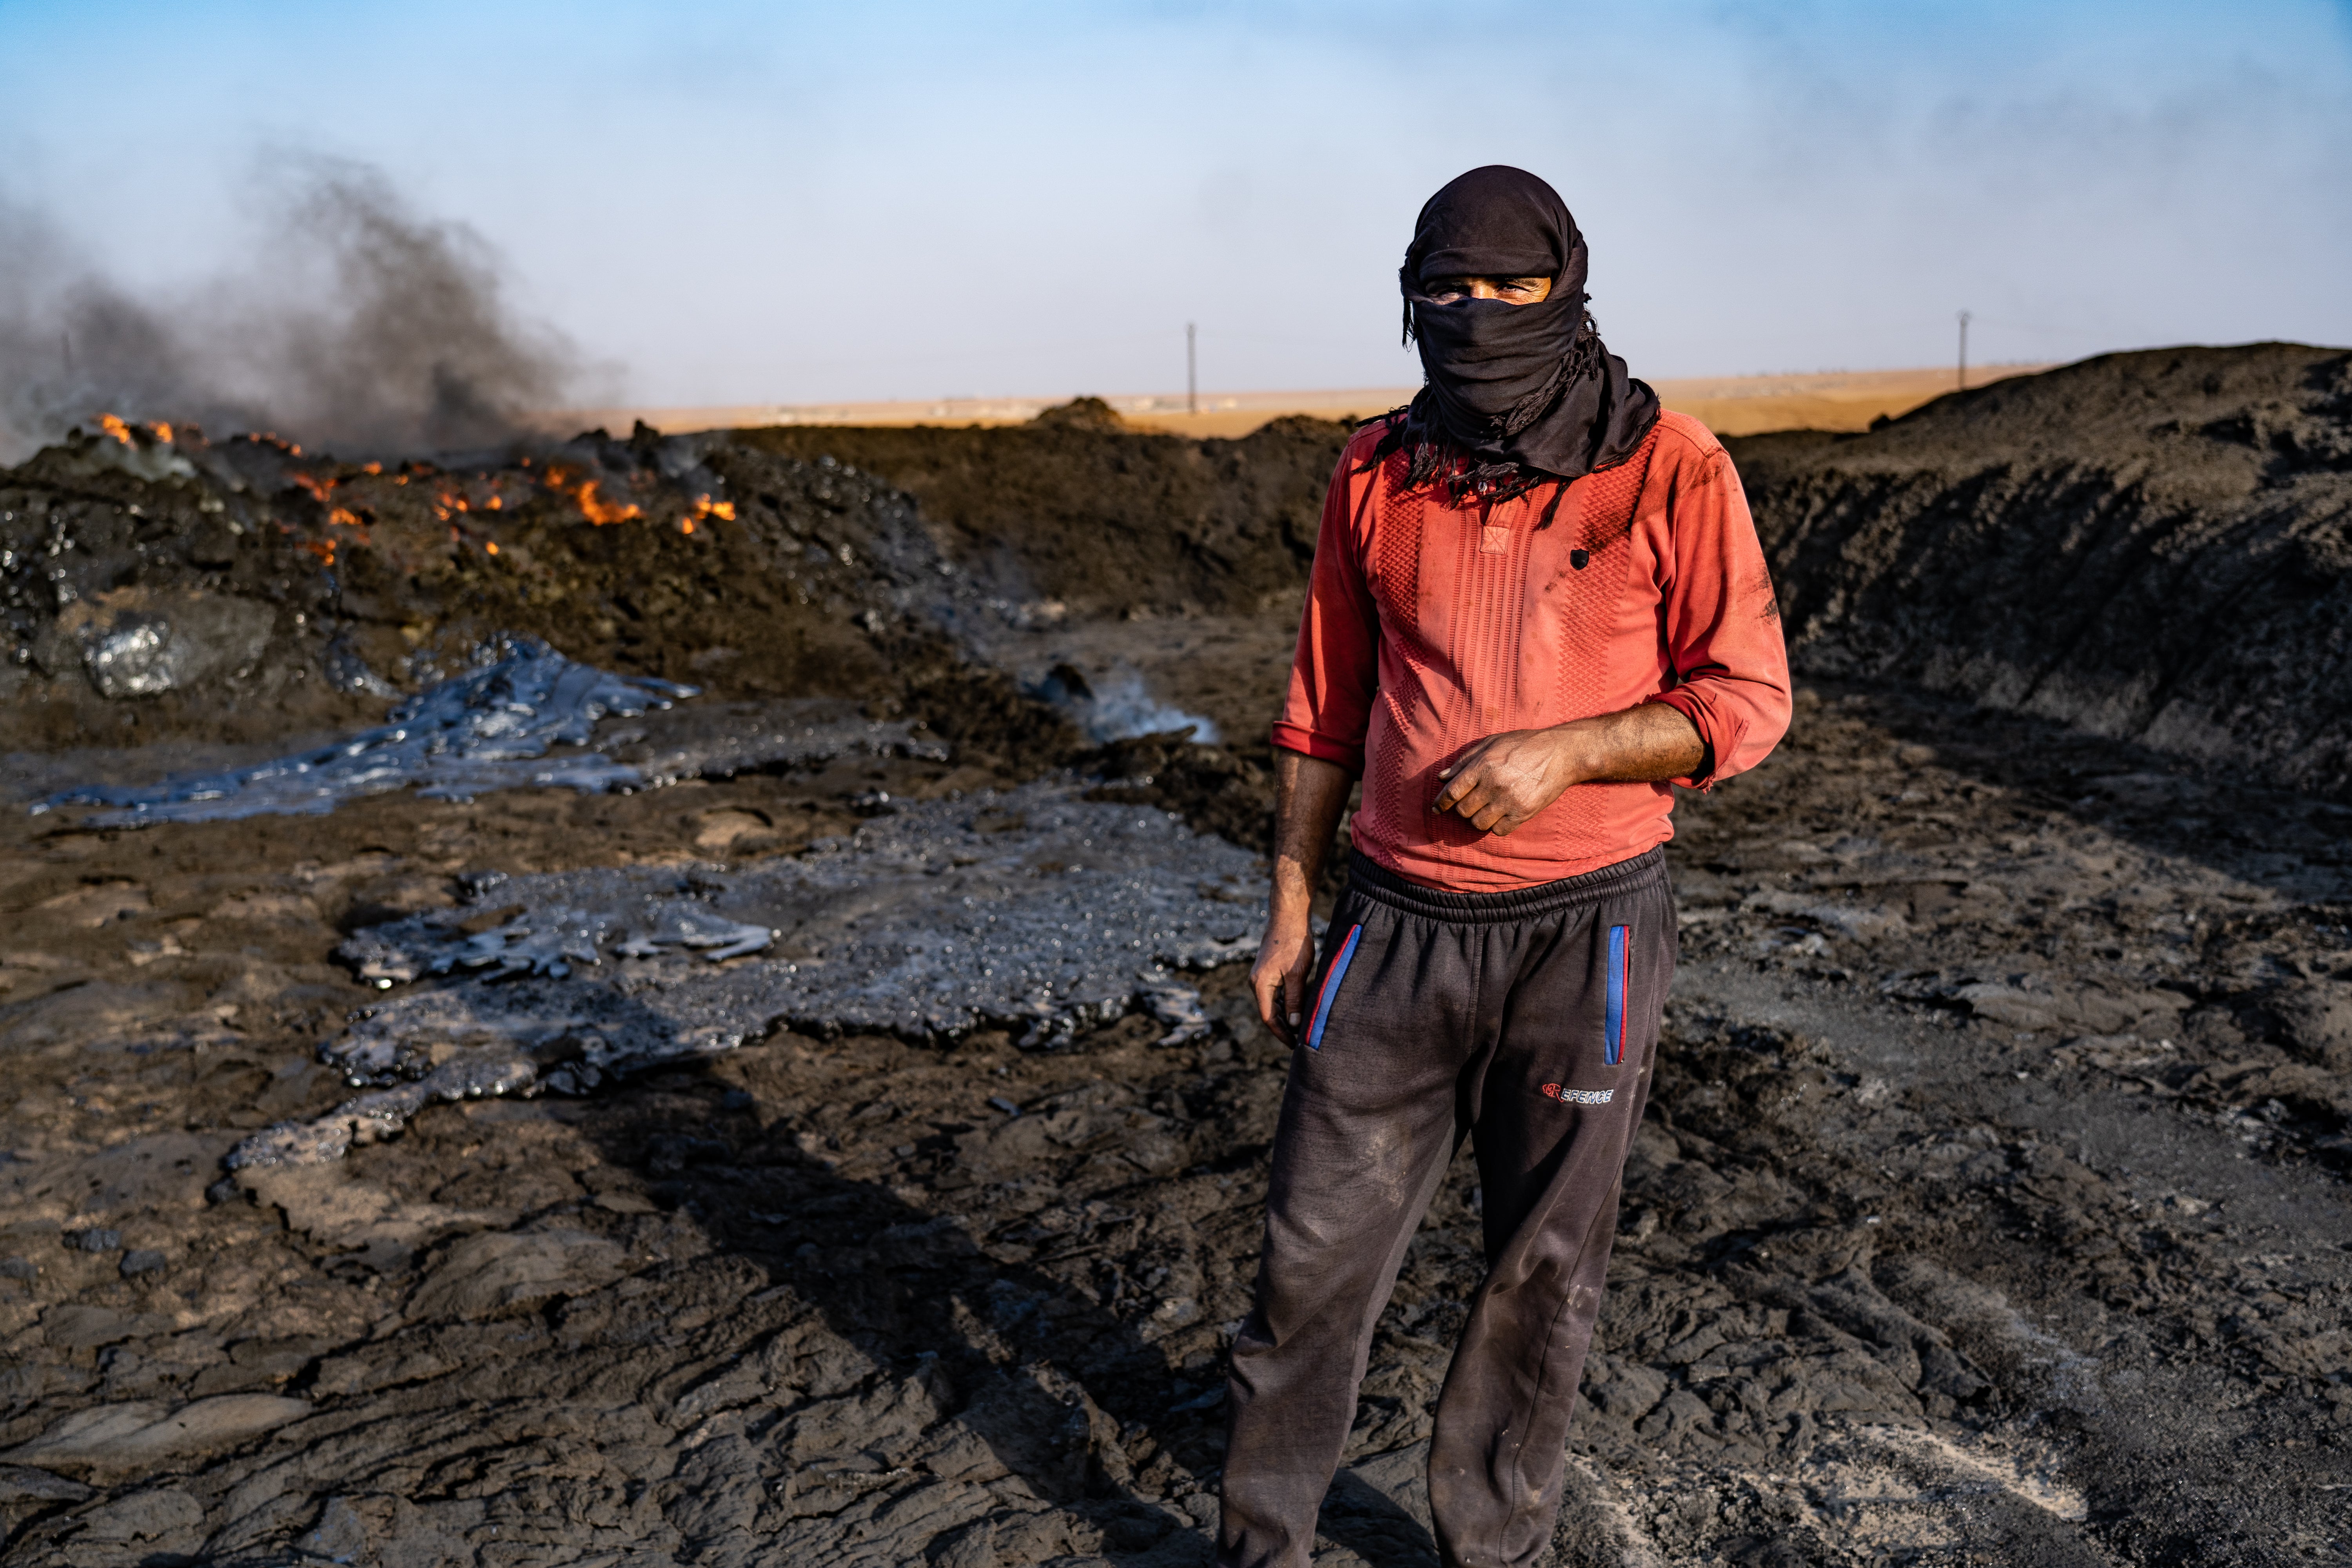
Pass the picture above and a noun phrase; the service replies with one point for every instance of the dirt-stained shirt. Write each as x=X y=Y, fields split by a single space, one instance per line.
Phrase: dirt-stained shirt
x=1430 y=626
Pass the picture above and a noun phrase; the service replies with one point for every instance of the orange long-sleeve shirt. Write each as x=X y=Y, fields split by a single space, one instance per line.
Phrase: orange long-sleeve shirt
x=1431 y=626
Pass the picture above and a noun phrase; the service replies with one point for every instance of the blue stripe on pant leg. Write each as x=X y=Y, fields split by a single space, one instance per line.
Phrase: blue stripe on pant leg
x=1613 y=1040
x=1331 y=988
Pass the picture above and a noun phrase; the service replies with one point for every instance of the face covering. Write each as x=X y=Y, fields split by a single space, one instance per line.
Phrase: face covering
x=1514 y=395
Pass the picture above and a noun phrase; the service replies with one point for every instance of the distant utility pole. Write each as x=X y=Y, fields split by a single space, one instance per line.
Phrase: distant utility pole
x=1964 y=351
x=1192 y=372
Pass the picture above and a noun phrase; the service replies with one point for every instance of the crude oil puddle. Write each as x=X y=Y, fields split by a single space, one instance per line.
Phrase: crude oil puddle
x=1035 y=910
x=491 y=728
x=488 y=729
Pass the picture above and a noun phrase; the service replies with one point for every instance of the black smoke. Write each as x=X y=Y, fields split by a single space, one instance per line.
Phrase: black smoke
x=356 y=325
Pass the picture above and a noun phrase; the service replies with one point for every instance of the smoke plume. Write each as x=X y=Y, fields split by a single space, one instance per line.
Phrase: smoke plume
x=357 y=326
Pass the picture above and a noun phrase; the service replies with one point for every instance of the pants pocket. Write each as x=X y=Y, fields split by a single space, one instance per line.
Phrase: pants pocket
x=1332 y=978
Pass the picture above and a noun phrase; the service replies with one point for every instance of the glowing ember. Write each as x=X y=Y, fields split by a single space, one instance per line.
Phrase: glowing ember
x=163 y=431
x=705 y=507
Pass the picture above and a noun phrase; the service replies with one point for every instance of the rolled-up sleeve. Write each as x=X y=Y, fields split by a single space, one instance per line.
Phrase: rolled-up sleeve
x=1722 y=622
x=1335 y=674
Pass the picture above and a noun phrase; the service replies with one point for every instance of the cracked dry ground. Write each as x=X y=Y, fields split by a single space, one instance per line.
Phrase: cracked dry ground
x=1990 y=1210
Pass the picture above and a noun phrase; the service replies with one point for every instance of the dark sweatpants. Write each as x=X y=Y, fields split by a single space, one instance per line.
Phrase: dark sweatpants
x=1528 y=1020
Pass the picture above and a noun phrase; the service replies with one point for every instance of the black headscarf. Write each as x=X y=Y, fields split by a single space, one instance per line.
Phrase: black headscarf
x=1515 y=395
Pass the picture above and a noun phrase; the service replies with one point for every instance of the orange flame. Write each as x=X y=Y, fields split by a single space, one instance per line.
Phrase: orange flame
x=163 y=431
x=492 y=547
x=113 y=425
x=705 y=507
x=372 y=468
x=345 y=516
x=318 y=487
x=599 y=511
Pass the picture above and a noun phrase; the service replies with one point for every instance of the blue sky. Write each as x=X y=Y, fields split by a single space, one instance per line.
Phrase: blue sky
x=736 y=202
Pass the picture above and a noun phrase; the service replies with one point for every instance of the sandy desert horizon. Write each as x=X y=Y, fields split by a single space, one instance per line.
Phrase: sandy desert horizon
x=1727 y=405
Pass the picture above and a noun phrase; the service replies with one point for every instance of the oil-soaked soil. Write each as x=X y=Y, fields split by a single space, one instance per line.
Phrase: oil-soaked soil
x=1992 y=1208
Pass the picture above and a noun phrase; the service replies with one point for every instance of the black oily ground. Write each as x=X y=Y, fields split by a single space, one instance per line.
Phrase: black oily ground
x=1897 y=1277
x=1991 y=1209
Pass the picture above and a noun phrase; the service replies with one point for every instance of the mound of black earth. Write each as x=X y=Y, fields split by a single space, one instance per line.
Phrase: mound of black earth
x=2152 y=547
x=156 y=586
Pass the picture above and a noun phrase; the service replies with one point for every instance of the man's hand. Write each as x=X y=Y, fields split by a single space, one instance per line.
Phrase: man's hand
x=1504 y=779
x=1309 y=796
x=1285 y=959
x=1500 y=781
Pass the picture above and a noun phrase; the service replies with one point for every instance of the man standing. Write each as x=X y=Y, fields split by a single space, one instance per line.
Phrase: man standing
x=1538 y=601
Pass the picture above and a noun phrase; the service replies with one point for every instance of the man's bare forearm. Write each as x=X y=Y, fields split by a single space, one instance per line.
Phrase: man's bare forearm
x=1655 y=740
x=1309 y=794
x=1500 y=781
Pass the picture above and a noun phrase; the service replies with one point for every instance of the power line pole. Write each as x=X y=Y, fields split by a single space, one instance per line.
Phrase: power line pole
x=1191 y=374
x=1964 y=351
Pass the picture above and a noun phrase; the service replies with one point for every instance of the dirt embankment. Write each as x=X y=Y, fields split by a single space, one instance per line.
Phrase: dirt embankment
x=1104 y=519
x=2153 y=546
